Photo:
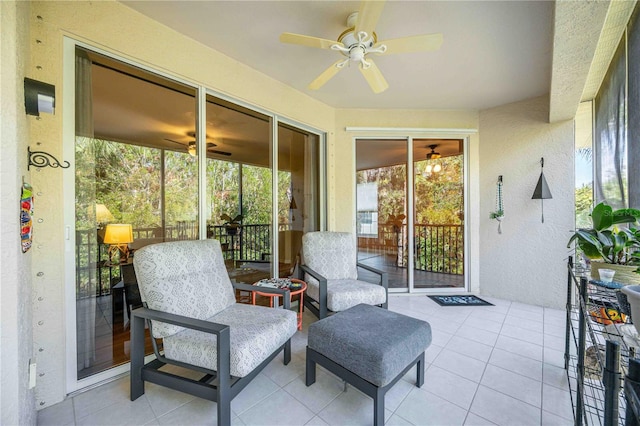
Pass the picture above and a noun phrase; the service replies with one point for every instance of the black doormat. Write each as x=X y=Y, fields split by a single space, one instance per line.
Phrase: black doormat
x=459 y=301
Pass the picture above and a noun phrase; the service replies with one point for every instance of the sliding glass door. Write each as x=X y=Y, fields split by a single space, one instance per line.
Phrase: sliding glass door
x=130 y=191
x=381 y=205
x=412 y=227
x=438 y=211
x=239 y=187
x=143 y=176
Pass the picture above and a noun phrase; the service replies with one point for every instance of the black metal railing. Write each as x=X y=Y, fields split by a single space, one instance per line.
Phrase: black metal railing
x=438 y=248
x=247 y=243
x=95 y=275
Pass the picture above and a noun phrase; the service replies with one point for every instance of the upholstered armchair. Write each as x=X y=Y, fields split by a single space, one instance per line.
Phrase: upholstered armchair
x=330 y=267
x=190 y=306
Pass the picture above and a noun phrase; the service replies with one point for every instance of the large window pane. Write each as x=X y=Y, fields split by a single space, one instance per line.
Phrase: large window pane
x=133 y=168
x=298 y=193
x=239 y=188
x=381 y=205
x=610 y=137
x=438 y=213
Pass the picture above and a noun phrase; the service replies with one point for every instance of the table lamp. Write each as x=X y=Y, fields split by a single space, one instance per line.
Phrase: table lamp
x=103 y=215
x=118 y=235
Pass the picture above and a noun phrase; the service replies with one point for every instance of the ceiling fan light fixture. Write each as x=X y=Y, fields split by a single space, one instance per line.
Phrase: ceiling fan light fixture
x=433 y=155
x=191 y=149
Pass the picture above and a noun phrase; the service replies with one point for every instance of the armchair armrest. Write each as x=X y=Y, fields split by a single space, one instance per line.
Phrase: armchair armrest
x=182 y=321
x=322 y=283
x=284 y=292
x=384 y=276
x=222 y=332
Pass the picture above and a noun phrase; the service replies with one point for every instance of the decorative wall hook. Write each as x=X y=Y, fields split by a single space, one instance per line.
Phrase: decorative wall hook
x=44 y=159
x=542 y=191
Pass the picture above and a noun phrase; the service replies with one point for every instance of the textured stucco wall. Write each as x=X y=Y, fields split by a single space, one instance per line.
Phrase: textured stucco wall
x=342 y=163
x=17 y=405
x=526 y=262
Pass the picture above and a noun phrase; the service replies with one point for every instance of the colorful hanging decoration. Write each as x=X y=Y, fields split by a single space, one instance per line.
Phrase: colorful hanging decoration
x=499 y=213
x=26 y=217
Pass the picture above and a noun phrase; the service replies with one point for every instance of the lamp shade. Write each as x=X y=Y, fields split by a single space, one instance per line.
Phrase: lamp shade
x=118 y=233
x=103 y=215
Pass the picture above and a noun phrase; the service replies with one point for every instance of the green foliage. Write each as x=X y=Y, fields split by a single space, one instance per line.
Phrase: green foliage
x=608 y=242
x=439 y=200
x=438 y=196
x=127 y=179
x=584 y=201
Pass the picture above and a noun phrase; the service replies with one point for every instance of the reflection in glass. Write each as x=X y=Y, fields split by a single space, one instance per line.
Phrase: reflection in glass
x=239 y=191
x=381 y=205
x=438 y=214
x=123 y=176
x=298 y=192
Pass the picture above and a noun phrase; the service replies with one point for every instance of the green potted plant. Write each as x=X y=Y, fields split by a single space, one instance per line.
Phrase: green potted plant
x=231 y=224
x=610 y=246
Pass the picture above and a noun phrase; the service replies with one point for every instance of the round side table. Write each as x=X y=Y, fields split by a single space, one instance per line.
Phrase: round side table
x=299 y=291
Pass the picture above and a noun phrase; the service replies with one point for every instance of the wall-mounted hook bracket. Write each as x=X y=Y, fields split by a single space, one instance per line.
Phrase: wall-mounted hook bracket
x=44 y=159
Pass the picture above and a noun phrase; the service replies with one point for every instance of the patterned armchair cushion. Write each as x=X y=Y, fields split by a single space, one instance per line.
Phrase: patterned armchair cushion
x=183 y=277
x=331 y=254
x=255 y=333
x=343 y=294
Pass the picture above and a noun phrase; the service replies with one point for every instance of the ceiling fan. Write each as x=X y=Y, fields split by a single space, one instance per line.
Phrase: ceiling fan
x=360 y=40
x=192 y=147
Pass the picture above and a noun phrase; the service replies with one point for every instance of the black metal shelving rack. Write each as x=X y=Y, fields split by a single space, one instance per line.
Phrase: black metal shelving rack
x=598 y=348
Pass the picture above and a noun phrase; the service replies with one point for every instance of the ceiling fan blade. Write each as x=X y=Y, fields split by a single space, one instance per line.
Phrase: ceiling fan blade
x=215 y=151
x=171 y=140
x=368 y=15
x=419 y=43
x=374 y=77
x=325 y=76
x=304 y=40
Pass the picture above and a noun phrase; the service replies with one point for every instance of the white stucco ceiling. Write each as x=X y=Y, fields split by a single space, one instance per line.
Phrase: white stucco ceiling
x=494 y=52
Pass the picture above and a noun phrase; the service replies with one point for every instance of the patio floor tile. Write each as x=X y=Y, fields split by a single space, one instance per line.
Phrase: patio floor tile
x=487 y=365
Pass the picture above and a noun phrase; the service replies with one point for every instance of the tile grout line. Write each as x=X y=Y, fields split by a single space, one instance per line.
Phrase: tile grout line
x=483 y=372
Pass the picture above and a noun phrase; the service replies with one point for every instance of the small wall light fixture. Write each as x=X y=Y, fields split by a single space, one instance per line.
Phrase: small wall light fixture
x=39 y=97
x=542 y=191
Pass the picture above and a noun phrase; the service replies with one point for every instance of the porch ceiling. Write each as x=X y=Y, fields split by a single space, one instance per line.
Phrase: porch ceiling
x=494 y=52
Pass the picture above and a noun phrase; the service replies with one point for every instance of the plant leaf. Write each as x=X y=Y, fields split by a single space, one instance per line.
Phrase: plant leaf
x=602 y=217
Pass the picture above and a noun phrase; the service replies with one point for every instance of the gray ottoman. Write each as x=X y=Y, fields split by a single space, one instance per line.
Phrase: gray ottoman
x=370 y=348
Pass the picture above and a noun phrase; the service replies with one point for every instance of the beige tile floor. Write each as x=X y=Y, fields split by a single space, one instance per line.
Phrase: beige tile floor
x=486 y=365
